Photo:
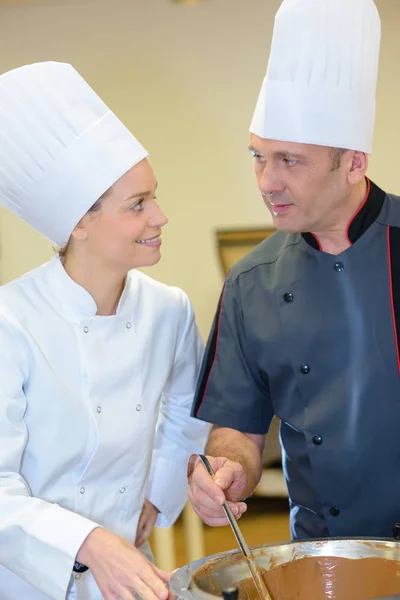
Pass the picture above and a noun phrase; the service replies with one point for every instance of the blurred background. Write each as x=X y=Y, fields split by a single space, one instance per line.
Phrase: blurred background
x=184 y=77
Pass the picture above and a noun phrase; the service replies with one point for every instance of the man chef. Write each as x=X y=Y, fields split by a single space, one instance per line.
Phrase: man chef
x=307 y=327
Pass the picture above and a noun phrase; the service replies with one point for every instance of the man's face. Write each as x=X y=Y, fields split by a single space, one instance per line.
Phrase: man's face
x=299 y=185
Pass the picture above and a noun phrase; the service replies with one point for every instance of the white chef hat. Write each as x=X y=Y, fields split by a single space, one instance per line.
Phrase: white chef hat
x=61 y=147
x=321 y=78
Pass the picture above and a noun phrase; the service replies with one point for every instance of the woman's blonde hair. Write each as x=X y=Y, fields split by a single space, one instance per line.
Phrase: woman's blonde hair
x=95 y=207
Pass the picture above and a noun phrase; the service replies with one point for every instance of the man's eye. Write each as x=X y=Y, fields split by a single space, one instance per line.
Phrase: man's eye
x=289 y=162
x=257 y=155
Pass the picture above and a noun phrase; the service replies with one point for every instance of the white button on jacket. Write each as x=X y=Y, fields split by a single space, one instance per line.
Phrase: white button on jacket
x=62 y=465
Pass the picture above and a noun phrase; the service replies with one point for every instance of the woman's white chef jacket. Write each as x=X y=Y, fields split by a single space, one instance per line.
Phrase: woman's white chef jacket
x=94 y=417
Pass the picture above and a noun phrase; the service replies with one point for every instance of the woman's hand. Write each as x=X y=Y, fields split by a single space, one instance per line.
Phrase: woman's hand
x=147 y=520
x=120 y=569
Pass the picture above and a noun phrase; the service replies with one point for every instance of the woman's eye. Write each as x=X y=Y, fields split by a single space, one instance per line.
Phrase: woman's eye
x=137 y=207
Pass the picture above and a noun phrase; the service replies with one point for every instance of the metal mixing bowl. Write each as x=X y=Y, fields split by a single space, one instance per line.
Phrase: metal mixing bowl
x=205 y=579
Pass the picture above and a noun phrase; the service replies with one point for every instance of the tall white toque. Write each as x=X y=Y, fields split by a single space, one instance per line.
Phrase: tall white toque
x=321 y=79
x=61 y=147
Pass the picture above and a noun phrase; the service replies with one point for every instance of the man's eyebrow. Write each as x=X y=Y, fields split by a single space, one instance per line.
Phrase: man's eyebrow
x=252 y=149
x=288 y=154
x=280 y=154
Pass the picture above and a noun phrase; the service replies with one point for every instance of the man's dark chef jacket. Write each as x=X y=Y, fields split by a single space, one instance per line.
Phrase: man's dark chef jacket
x=314 y=339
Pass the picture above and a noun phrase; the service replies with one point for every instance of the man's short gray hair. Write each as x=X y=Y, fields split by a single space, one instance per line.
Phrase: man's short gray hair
x=337 y=154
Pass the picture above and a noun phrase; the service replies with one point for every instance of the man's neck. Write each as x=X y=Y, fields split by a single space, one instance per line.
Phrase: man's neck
x=334 y=239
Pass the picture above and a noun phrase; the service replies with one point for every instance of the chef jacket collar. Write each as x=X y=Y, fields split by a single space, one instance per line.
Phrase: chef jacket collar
x=75 y=300
x=362 y=219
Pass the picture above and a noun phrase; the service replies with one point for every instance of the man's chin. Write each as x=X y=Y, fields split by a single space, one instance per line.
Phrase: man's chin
x=286 y=225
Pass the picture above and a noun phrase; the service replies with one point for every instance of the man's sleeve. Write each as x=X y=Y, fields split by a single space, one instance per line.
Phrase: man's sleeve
x=230 y=390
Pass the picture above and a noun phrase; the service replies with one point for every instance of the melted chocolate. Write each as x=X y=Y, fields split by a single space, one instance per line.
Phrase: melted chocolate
x=328 y=578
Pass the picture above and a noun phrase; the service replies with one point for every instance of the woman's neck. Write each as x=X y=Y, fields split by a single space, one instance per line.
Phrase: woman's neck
x=104 y=285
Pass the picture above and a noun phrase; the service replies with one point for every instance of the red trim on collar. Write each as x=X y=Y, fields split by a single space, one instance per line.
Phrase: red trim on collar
x=215 y=352
x=359 y=209
x=392 y=299
x=317 y=240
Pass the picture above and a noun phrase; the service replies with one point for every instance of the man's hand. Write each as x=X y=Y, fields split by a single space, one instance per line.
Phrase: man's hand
x=207 y=494
x=120 y=569
x=147 y=520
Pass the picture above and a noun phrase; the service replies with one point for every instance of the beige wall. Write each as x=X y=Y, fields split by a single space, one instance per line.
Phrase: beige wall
x=185 y=81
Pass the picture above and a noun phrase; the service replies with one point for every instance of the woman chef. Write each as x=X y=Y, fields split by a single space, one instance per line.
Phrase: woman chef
x=92 y=356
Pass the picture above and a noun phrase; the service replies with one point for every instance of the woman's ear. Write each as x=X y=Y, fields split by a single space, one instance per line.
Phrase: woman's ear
x=80 y=231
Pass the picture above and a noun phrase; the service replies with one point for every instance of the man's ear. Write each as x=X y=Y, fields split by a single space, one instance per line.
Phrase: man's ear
x=357 y=168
